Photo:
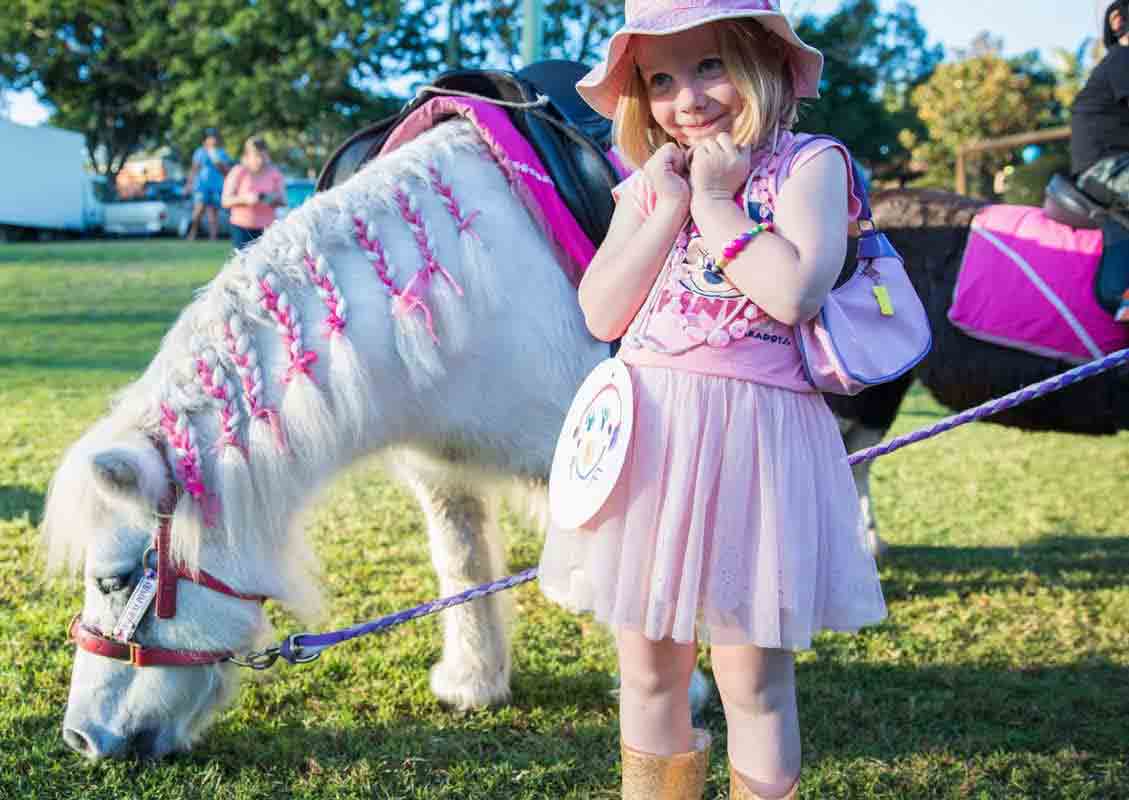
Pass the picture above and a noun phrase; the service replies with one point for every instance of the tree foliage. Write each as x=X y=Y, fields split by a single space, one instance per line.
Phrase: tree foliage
x=132 y=73
x=436 y=35
x=873 y=60
x=86 y=59
x=981 y=96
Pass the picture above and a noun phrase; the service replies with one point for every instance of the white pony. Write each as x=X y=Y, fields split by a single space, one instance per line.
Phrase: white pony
x=419 y=309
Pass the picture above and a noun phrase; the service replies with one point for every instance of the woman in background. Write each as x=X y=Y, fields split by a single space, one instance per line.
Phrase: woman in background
x=252 y=190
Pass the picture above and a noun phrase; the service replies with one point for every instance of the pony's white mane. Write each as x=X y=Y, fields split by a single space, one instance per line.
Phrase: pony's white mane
x=233 y=359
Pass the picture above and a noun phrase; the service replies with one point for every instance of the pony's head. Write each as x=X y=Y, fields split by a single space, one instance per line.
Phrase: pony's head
x=170 y=589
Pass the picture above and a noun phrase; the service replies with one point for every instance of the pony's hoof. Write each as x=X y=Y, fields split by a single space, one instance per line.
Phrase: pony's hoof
x=464 y=691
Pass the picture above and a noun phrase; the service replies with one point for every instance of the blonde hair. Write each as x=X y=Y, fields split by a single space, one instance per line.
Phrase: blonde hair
x=757 y=63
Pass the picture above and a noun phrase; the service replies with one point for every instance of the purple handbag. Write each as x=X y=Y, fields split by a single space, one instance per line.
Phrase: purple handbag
x=872 y=328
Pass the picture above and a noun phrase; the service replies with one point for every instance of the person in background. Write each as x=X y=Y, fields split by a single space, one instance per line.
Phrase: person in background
x=253 y=190
x=210 y=163
x=1099 y=140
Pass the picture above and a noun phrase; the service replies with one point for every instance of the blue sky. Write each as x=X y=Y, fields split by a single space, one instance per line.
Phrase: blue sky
x=1023 y=25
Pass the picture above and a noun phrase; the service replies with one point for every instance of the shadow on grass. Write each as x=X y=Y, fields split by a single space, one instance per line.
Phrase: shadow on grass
x=127 y=318
x=852 y=712
x=125 y=362
x=865 y=710
x=15 y=501
x=1068 y=561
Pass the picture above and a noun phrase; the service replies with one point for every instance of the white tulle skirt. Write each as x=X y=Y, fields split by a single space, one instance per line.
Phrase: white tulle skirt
x=735 y=521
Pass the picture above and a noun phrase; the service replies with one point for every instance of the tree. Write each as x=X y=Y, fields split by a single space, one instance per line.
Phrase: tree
x=78 y=56
x=436 y=35
x=872 y=61
x=1072 y=69
x=982 y=96
x=133 y=74
x=294 y=71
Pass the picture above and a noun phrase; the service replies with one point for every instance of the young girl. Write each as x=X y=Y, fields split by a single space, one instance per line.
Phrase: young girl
x=735 y=516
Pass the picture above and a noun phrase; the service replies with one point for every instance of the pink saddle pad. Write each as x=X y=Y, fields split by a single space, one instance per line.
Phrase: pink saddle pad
x=1028 y=282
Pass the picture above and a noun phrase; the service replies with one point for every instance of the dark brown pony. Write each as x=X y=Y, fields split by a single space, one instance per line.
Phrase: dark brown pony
x=930 y=230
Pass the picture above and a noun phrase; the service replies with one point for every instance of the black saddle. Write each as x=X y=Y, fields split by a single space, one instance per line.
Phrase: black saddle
x=568 y=136
x=1066 y=203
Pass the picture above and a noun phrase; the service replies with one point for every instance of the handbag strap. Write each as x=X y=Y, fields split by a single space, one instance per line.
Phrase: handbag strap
x=856 y=178
x=872 y=242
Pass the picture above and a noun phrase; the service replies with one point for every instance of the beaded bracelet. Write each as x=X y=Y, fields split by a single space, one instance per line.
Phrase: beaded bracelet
x=734 y=248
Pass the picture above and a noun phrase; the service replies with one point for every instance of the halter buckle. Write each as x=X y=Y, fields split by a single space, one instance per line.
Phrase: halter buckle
x=294 y=651
x=257 y=660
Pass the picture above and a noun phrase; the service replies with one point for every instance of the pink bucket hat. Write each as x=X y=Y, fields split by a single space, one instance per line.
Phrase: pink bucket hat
x=602 y=86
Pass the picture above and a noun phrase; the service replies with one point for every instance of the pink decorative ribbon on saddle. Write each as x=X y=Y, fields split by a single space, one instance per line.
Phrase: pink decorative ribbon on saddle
x=519 y=163
x=1027 y=282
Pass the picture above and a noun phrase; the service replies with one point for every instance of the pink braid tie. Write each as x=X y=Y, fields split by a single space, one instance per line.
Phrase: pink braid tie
x=187 y=464
x=403 y=302
x=300 y=364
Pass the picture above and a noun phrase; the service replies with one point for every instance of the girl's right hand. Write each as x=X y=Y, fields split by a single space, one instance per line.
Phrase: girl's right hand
x=668 y=173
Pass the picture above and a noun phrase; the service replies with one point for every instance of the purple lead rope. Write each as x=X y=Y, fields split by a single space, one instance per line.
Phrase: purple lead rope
x=305 y=647
x=1052 y=384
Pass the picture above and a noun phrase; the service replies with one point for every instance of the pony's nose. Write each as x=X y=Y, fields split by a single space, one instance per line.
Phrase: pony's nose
x=81 y=743
x=95 y=744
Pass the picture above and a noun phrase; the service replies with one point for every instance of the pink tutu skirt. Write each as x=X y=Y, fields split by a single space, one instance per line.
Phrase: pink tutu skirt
x=735 y=521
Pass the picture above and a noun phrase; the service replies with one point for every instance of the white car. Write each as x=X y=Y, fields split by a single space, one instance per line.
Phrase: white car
x=163 y=208
x=298 y=191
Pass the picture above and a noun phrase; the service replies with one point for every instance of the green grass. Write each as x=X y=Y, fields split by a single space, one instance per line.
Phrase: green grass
x=1002 y=672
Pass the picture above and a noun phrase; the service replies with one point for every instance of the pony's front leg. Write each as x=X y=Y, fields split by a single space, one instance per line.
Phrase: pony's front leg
x=856 y=437
x=466 y=549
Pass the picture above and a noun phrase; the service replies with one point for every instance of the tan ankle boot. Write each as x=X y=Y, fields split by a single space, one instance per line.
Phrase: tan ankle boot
x=678 y=777
x=739 y=791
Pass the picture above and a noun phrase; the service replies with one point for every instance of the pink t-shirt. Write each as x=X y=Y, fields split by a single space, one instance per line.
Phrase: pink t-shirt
x=241 y=181
x=694 y=319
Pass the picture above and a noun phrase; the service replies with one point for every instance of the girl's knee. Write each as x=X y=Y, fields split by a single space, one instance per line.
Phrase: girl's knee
x=655 y=668
x=762 y=683
x=653 y=681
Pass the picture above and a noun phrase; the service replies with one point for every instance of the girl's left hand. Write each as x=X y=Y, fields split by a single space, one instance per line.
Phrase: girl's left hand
x=718 y=167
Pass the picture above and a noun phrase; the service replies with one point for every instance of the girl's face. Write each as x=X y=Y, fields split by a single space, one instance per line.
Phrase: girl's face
x=691 y=95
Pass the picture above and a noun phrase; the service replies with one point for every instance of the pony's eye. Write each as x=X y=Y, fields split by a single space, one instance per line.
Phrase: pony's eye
x=112 y=585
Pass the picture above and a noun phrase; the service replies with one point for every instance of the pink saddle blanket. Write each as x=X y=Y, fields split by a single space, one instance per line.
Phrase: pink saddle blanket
x=520 y=164
x=1028 y=282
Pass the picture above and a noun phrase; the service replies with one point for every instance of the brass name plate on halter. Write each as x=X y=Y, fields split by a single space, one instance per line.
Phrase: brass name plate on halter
x=593 y=445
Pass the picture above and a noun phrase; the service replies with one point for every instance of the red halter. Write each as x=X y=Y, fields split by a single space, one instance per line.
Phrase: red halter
x=169 y=574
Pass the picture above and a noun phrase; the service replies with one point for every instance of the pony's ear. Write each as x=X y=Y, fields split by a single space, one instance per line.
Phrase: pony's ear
x=122 y=473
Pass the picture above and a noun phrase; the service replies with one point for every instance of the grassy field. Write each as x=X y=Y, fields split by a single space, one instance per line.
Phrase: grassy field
x=1002 y=672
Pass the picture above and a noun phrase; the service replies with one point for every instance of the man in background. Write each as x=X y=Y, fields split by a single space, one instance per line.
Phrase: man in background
x=210 y=163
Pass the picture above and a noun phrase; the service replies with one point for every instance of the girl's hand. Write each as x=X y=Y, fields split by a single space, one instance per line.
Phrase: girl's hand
x=718 y=167
x=666 y=170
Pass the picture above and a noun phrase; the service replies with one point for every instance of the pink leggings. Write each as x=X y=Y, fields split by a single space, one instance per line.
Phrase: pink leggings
x=758 y=692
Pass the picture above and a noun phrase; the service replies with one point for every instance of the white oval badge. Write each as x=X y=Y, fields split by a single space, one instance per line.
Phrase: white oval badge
x=593 y=445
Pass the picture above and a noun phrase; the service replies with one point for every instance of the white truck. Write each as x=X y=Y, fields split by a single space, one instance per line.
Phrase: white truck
x=45 y=188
